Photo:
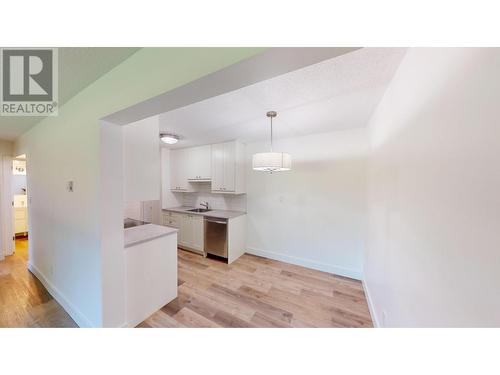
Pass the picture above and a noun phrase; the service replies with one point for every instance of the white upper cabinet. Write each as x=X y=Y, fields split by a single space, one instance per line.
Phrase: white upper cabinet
x=141 y=160
x=228 y=168
x=179 y=165
x=200 y=165
x=222 y=164
x=218 y=167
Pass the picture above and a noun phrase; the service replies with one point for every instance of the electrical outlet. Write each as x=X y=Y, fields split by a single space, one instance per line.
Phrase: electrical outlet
x=69 y=187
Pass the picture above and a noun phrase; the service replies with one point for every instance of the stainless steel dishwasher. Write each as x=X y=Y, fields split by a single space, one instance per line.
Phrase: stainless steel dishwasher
x=216 y=236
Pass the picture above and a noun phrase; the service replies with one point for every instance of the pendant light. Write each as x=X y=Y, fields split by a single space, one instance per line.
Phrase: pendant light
x=272 y=161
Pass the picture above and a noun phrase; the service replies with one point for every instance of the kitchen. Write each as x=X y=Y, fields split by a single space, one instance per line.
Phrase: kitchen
x=270 y=179
x=207 y=171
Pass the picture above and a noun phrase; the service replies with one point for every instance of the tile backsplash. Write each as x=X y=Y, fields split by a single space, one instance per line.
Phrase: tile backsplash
x=216 y=201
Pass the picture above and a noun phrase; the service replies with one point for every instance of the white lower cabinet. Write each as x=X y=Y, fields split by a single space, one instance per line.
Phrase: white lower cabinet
x=151 y=277
x=20 y=220
x=191 y=229
x=198 y=234
x=171 y=219
x=185 y=231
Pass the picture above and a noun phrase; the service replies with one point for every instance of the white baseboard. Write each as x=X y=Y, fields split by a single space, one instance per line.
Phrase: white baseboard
x=330 y=268
x=371 y=307
x=80 y=319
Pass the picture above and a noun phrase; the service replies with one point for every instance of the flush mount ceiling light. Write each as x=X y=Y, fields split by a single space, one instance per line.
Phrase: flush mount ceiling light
x=169 y=139
x=272 y=161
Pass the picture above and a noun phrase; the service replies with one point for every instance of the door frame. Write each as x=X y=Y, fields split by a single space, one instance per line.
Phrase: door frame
x=6 y=207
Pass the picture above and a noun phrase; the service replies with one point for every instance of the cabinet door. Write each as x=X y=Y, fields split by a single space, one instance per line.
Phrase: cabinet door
x=178 y=170
x=218 y=167
x=197 y=232
x=20 y=220
x=200 y=163
x=171 y=221
x=174 y=169
x=229 y=166
x=165 y=218
x=185 y=231
x=204 y=162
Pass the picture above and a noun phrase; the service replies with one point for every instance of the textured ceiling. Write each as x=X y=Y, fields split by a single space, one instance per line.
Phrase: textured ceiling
x=78 y=68
x=335 y=94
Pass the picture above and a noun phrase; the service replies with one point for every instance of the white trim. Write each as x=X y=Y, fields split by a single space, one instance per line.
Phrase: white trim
x=77 y=316
x=6 y=209
x=371 y=307
x=325 y=267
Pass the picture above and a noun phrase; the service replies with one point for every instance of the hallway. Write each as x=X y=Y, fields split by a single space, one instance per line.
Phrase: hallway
x=24 y=302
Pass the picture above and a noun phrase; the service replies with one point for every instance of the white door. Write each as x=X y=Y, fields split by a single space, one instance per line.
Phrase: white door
x=218 y=167
x=229 y=166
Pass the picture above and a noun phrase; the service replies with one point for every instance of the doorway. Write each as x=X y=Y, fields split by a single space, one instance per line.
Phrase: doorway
x=20 y=206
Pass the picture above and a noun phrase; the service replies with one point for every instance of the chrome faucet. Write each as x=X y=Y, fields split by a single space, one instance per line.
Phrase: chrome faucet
x=204 y=205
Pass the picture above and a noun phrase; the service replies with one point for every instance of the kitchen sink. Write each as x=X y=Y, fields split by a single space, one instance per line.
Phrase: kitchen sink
x=199 y=210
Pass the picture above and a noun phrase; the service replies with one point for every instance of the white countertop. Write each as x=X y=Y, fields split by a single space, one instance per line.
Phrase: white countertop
x=147 y=232
x=221 y=214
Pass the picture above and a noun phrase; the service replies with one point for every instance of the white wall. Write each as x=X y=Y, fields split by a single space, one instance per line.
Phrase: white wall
x=433 y=254
x=314 y=215
x=112 y=179
x=168 y=199
x=65 y=227
x=18 y=183
x=141 y=160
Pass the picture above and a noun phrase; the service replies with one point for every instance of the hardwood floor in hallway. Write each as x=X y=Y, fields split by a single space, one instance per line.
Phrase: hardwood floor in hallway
x=260 y=292
x=24 y=301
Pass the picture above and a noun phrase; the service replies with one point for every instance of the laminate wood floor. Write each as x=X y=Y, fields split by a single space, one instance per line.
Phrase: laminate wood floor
x=251 y=292
x=24 y=301
x=260 y=292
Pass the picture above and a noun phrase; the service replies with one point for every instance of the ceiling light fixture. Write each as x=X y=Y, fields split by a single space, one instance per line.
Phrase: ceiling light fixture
x=272 y=161
x=169 y=139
